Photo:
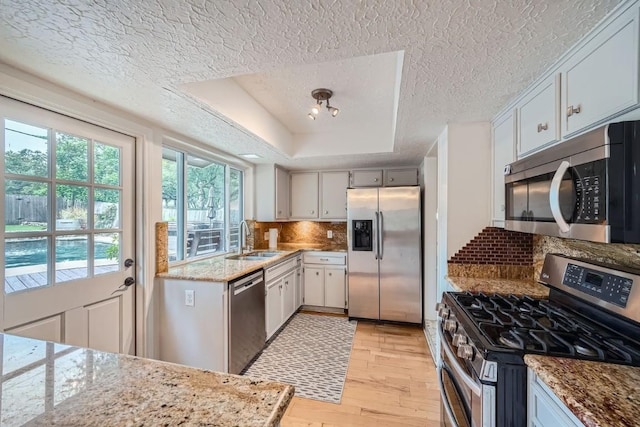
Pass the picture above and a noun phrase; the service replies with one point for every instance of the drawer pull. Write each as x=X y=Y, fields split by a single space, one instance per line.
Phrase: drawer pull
x=542 y=127
x=324 y=259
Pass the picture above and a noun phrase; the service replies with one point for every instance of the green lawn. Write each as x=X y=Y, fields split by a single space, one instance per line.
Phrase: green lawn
x=14 y=228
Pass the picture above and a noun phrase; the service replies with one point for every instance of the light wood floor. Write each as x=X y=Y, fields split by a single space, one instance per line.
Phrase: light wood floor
x=391 y=381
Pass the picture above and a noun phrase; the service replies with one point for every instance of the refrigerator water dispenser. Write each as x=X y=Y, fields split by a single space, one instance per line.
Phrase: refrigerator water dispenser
x=362 y=236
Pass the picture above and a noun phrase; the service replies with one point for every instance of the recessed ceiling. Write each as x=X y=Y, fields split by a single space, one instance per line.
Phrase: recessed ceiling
x=461 y=61
x=274 y=105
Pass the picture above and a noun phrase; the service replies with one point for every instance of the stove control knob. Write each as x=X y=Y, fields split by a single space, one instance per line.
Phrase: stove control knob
x=450 y=325
x=465 y=351
x=459 y=339
x=443 y=312
x=440 y=306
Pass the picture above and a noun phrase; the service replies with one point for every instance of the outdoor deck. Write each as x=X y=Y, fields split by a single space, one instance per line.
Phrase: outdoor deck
x=23 y=282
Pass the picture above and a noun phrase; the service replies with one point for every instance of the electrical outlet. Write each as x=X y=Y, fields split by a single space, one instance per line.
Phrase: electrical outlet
x=190 y=297
x=329 y=234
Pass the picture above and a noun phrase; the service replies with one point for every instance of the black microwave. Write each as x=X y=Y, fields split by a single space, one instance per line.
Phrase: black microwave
x=585 y=188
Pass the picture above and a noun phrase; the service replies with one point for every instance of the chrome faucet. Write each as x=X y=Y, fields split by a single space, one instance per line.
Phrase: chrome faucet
x=243 y=235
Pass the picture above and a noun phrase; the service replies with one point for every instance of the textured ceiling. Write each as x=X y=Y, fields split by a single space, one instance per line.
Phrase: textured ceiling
x=463 y=59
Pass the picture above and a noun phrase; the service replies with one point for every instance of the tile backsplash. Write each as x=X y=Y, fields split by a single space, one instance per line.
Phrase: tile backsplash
x=301 y=232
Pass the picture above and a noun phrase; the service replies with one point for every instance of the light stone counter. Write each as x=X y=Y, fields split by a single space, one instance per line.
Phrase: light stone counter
x=499 y=286
x=221 y=269
x=48 y=384
x=598 y=394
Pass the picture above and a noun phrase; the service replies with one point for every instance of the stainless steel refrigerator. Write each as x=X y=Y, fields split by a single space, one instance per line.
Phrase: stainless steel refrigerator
x=385 y=263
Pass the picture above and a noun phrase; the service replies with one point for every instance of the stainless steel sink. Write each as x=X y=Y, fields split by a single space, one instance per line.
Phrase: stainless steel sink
x=255 y=256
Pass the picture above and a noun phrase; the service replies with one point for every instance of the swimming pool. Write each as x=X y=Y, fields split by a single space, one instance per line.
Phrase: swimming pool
x=22 y=253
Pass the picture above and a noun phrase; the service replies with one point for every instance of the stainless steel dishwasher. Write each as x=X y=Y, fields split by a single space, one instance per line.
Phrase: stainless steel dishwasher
x=247 y=330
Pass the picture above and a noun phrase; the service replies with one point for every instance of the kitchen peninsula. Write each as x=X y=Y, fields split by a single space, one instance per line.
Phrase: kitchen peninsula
x=45 y=383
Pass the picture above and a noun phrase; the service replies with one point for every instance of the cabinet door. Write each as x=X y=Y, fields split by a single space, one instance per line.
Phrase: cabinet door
x=503 y=154
x=538 y=117
x=314 y=286
x=288 y=295
x=274 y=306
x=366 y=178
x=400 y=177
x=304 y=195
x=601 y=79
x=334 y=195
x=282 y=194
x=334 y=287
x=544 y=409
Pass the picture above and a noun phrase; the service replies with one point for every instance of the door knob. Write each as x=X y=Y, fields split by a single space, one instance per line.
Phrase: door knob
x=128 y=263
x=129 y=281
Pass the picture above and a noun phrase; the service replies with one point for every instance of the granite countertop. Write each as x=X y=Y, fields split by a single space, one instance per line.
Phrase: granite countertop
x=53 y=384
x=598 y=394
x=500 y=286
x=220 y=269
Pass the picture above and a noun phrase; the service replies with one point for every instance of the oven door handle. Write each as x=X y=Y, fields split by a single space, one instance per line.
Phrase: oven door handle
x=445 y=400
x=460 y=373
x=554 y=196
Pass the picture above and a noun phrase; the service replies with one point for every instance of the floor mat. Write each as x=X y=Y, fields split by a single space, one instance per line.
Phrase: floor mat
x=312 y=353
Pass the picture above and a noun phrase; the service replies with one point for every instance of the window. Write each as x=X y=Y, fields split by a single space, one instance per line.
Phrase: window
x=62 y=200
x=202 y=202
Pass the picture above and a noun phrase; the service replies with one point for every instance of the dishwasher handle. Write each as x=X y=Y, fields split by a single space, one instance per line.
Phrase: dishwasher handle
x=241 y=287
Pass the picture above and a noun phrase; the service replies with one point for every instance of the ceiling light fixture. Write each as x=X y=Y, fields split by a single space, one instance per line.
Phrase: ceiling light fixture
x=321 y=95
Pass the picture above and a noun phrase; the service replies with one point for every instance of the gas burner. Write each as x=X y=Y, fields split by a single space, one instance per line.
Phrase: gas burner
x=585 y=351
x=509 y=340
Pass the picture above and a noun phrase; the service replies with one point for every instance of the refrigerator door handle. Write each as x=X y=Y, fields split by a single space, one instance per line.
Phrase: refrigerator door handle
x=380 y=236
x=376 y=237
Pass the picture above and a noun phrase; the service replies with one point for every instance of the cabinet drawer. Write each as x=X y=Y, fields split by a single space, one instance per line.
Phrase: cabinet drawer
x=328 y=258
x=279 y=269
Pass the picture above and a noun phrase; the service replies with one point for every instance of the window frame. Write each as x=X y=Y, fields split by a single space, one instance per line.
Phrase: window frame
x=183 y=152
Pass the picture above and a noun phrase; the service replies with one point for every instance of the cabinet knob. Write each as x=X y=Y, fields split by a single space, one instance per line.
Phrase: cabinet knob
x=317 y=273
x=329 y=274
x=390 y=179
x=542 y=127
x=375 y=179
x=312 y=212
x=326 y=212
x=571 y=110
x=279 y=212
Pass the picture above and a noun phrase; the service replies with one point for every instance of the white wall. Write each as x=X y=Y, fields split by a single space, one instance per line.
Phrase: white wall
x=430 y=229
x=464 y=189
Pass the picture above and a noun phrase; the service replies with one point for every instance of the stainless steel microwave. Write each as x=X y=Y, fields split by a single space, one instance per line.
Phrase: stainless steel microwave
x=585 y=188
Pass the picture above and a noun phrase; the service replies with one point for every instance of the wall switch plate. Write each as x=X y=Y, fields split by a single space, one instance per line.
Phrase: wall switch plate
x=330 y=234
x=189 y=297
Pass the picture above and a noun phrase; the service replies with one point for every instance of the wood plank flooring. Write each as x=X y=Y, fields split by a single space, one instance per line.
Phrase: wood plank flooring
x=391 y=382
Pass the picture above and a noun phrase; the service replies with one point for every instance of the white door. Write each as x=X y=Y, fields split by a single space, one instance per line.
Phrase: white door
x=68 y=240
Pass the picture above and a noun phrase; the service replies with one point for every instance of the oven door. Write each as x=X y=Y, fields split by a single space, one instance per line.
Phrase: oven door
x=466 y=401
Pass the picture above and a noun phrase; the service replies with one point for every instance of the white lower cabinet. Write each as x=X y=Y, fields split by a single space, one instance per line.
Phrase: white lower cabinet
x=281 y=294
x=314 y=286
x=544 y=409
x=325 y=279
x=273 y=307
x=299 y=282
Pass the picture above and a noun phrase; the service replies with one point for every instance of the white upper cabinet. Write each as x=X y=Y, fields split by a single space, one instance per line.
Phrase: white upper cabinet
x=272 y=193
x=334 y=195
x=304 y=195
x=366 y=178
x=503 y=154
x=601 y=79
x=399 y=177
x=282 y=194
x=538 y=116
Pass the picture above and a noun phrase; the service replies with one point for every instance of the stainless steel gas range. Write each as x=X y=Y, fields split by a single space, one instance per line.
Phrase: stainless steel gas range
x=592 y=313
